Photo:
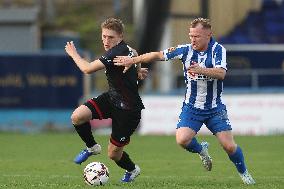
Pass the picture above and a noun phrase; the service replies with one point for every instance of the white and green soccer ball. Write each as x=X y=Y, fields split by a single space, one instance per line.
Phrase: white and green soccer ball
x=96 y=174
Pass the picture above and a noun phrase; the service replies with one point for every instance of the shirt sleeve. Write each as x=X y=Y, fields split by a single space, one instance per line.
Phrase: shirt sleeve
x=107 y=58
x=119 y=50
x=176 y=52
x=220 y=57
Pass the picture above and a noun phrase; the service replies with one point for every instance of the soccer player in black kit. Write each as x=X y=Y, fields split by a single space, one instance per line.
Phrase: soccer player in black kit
x=121 y=102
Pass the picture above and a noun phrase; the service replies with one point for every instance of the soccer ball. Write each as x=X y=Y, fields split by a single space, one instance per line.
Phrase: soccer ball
x=95 y=174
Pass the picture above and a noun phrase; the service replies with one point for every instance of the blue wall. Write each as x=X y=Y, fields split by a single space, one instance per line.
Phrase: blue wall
x=38 y=92
x=39 y=81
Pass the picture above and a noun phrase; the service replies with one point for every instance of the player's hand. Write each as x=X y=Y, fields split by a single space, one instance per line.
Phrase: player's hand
x=194 y=68
x=70 y=49
x=126 y=68
x=142 y=73
x=123 y=61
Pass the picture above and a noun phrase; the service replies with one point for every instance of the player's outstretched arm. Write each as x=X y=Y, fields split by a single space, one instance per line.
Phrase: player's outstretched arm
x=144 y=58
x=142 y=72
x=83 y=65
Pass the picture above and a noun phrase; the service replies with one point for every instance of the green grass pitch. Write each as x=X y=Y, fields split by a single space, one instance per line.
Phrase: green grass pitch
x=46 y=161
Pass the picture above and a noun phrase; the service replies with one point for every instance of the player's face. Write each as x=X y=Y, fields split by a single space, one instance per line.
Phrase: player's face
x=199 y=37
x=110 y=38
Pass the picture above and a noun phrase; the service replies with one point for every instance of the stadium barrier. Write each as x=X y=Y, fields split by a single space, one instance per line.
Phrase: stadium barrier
x=249 y=114
x=35 y=120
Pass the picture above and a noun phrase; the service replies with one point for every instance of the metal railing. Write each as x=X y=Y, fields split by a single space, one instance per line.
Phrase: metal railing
x=255 y=78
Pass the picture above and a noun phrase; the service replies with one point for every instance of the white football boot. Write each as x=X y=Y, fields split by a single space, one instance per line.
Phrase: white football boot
x=205 y=157
x=130 y=176
x=247 y=178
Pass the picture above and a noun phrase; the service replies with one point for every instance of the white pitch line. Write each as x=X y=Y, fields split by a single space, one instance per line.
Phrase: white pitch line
x=39 y=176
x=143 y=176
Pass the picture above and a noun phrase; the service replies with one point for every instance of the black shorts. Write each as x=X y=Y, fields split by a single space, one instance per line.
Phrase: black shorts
x=124 y=122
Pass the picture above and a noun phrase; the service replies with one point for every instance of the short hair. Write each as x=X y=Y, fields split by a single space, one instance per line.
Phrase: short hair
x=113 y=24
x=203 y=21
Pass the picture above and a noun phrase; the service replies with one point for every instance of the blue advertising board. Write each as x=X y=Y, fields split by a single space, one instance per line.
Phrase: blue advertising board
x=39 y=81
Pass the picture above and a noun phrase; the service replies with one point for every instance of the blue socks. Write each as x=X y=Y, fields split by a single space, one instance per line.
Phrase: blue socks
x=194 y=146
x=238 y=159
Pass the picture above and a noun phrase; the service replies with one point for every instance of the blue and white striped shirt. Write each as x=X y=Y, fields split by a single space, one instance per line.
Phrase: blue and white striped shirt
x=202 y=92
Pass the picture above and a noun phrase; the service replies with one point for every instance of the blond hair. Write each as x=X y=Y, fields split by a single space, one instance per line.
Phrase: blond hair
x=203 y=21
x=113 y=24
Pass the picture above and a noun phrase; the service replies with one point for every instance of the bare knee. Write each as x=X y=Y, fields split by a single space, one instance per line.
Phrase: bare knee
x=183 y=141
x=77 y=119
x=184 y=136
x=227 y=141
x=81 y=115
x=230 y=148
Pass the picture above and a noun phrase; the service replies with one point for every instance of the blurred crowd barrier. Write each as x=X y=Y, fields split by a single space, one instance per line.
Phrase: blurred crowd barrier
x=35 y=120
x=249 y=114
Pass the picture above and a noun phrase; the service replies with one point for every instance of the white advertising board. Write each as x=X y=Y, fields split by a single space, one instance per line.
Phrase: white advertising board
x=249 y=114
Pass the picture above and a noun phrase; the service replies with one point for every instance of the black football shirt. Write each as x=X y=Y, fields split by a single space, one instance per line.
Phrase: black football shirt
x=123 y=87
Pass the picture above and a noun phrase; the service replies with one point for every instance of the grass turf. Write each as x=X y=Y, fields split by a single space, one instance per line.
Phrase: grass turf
x=46 y=161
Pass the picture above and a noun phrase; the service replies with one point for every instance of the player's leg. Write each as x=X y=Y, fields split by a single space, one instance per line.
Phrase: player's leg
x=220 y=126
x=92 y=109
x=122 y=159
x=185 y=138
x=235 y=155
x=80 y=119
x=188 y=126
x=124 y=123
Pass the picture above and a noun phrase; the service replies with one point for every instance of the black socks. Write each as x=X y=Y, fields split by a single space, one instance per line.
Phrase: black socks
x=125 y=162
x=85 y=132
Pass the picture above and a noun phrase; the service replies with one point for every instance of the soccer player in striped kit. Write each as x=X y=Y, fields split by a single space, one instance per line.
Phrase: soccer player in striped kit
x=204 y=66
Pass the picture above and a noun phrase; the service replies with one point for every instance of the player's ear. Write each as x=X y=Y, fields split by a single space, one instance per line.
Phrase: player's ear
x=210 y=33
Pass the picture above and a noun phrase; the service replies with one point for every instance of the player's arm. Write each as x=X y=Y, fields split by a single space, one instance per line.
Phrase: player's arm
x=144 y=58
x=149 y=57
x=83 y=65
x=135 y=53
x=216 y=73
x=142 y=72
x=219 y=69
